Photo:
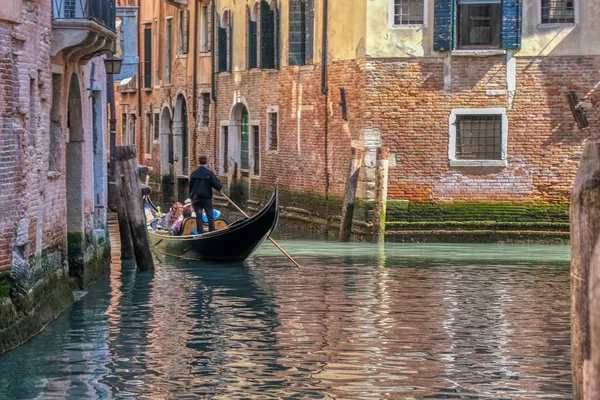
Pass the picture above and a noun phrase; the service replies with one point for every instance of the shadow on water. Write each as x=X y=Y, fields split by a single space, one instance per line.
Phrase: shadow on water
x=355 y=321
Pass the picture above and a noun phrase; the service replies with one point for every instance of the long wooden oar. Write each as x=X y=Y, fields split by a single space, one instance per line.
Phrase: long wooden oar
x=270 y=238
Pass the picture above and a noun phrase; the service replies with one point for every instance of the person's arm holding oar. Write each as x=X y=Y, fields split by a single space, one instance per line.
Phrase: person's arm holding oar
x=270 y=238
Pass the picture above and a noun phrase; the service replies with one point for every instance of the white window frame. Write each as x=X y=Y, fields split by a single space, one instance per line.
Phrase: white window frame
x=222 y=159
x=148 y=134
x=204 y=31
x=391 y=8
x=272 y=110
x=554 y=24
x=252 y=124
x=201 y=109
x=452 y=138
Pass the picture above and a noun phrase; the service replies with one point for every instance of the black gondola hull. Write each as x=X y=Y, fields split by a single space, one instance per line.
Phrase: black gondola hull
x=232 y=244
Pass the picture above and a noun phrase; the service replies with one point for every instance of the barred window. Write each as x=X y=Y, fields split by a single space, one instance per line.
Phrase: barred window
x=205 y=110
x=408 y=12
x=558 y=11
x=156 y=126
x=272 y=131
x=479 y=137
x=225 y=141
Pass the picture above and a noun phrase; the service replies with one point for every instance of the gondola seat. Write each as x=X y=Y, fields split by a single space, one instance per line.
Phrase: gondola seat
x=190 y=225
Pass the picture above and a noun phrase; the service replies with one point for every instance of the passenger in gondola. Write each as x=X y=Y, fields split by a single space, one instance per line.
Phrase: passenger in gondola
x=173 y=215
x=178 y=226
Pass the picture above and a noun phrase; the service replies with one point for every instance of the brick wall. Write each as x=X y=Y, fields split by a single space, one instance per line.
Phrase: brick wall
x=24 y=111
x=409 y=105
x=301 y=162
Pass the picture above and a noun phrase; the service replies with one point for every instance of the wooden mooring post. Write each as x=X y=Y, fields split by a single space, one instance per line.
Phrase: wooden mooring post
x=585 y=227
x=350 y=194
x=380 y=206
x=592 y=380
x=124 y=230
x=132 y=191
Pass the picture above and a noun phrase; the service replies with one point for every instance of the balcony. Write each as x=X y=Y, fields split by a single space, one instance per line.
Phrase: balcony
x=83 y=29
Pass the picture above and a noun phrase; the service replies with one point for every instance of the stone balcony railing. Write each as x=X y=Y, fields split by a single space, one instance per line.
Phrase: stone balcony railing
x=83 y=29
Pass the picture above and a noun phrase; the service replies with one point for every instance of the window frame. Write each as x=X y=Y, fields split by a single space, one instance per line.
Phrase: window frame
x=254 y=165
x=148 y=134
x=454 y=162
x=168 y=52
x=272 y=110
x=224 y=145
x=392 y=25
x=204 y=29
x=477 y=47
x=543 y=25
x=202 y=99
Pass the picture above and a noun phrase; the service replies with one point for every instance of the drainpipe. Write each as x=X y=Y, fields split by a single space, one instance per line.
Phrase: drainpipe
x=326 y=93
x=139 y=51
x=195 y=77
x=213 y=88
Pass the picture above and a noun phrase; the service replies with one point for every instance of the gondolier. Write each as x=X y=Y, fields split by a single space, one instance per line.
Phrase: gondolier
x=202 y=183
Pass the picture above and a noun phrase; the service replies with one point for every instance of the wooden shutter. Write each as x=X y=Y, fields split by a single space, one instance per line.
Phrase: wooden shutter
x=222 y=49
x=252 y=45
x=309 y=31
x=296 y=32
x=444 y=22
x=267 y=42
x=230 y=63
x=511 y=24
x=147 y=57
x=186 y=31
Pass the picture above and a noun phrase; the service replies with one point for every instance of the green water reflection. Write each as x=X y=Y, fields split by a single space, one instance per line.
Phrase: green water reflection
x=356 y=321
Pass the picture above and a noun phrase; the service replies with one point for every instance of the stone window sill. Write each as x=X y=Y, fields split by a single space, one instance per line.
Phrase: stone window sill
x=478 y=52
x=478 y=163
x=556 y=25
x=53 y=174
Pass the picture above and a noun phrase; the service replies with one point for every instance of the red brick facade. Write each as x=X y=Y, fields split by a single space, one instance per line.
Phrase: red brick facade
x=409 y=105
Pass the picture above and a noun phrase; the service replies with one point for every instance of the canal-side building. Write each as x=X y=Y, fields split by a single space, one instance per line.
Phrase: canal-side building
x=164 y=109
x=483 y=105
x=53 y=235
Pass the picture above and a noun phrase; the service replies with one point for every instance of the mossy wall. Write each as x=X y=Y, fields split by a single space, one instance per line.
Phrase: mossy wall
x=26 y=307
x=480 y=222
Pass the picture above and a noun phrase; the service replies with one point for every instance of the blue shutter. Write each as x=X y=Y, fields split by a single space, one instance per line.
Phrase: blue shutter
x=444 y=21
x=511 y=24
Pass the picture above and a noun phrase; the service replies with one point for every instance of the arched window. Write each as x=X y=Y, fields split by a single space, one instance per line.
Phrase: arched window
x=269 y=35
x=225 y=35
x=253 y=36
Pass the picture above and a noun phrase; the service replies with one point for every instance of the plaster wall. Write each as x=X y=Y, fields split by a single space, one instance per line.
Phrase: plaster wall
x=385 y=41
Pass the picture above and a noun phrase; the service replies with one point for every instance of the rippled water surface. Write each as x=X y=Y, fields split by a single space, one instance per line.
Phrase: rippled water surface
x=356 y=321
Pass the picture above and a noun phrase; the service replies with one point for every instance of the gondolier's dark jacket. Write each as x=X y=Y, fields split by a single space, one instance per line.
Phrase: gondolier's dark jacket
x=202 y=182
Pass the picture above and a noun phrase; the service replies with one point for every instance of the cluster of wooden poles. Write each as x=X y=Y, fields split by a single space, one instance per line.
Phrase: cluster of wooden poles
x=585 y=276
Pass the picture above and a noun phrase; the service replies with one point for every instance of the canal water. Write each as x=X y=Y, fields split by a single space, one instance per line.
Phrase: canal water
x=356 y=321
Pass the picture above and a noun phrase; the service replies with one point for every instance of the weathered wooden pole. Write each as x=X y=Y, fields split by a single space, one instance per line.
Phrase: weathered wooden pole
x=132 y=196
x=592 y=388
x=351 y=184
x=585 y=226
x=380 y=206
x=124 y=231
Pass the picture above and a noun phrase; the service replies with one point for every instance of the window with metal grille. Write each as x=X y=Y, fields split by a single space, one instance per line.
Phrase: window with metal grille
x=253 y=37
x=558 y=11
x=148 y=134
x=156 y=126
x=408 y=12
x=225 y=141
x=132 y=129
x=168 y=39
x=301 y=27
x=272 y=130
x=205 y=110
x=124 y=128
x=479 y=23
x=256 y=148
x=479 y=137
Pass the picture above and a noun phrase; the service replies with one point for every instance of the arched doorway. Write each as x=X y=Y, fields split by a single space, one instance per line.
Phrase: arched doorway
x=74 y=176
x=166 y=143
x=180 y=137
x=239 y=136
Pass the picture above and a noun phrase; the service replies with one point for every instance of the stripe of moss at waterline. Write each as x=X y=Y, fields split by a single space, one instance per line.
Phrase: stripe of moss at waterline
x=479 y=236
x=23 y=315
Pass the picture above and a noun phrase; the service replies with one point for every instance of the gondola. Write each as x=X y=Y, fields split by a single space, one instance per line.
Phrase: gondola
x=233 y=243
